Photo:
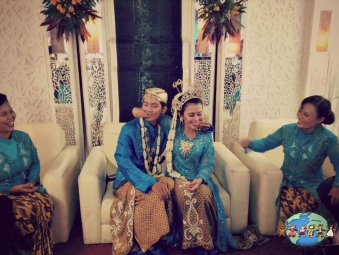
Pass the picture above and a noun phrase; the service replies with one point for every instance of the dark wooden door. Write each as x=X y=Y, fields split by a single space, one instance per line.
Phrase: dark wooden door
x=149 y=49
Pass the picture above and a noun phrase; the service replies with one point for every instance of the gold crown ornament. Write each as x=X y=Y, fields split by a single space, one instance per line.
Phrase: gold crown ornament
x=194 y=91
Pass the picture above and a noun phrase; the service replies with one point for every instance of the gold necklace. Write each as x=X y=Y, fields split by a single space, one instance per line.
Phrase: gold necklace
x=156 y=169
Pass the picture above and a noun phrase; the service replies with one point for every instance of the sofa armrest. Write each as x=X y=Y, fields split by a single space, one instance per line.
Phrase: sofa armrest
x=92 y=185
x=234 y=177
x=266 y=179
x=60 y=181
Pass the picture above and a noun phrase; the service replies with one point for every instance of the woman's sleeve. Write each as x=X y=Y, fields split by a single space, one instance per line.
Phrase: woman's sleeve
x=333 y=154
x=207 y=159
x=129 y=170
x=33 y=172
x=270 y=142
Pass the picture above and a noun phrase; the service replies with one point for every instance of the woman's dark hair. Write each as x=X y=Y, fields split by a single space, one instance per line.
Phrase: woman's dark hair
x=3 y=98
x=322 y=107
x=190 y=101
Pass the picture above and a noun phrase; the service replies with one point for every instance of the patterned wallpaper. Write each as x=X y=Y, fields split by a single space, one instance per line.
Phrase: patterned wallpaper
x=272 y=59
x=24 y=63
x=202 y=76
x=97 y=97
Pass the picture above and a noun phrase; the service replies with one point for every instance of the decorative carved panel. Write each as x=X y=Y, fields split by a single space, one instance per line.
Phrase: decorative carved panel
x=65 y=118
x=63 y=98
x=232 y=83
x=97 y=96
x=230 y=113
x=202 y=75
x=231 y=126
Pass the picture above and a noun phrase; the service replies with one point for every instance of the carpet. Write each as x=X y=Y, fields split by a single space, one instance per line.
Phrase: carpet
x=276 y=246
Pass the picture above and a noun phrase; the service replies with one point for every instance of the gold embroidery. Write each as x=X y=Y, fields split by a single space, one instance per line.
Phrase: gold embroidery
x=185 y=146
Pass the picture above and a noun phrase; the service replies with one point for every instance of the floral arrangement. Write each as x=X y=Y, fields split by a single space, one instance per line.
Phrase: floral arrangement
x=69 y=16
x=219 y=18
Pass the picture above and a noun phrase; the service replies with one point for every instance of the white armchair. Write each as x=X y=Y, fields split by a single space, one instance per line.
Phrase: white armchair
x=96 y=196
x=266 y=176
x=60 y=167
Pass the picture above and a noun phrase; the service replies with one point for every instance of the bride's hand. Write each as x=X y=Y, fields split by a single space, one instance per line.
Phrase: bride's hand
x=139 y=113
x=194 y=185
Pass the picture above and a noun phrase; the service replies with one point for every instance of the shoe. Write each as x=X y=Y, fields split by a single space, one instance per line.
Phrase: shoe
x=200 y=251
x=214 y=251
x=138 y=252
x=158 y=251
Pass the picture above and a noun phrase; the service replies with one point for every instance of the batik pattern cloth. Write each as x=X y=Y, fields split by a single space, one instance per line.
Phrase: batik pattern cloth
x=202 y=213
x=33 y=220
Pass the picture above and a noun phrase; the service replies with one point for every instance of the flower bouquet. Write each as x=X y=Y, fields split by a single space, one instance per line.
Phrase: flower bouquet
x=69 y=16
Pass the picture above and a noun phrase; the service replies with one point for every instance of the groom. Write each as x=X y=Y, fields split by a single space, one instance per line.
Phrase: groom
x=141 y=213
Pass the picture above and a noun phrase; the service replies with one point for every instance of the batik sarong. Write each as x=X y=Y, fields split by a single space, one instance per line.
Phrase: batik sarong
x=297 y=200
x=32 y=221
x=137 y=216
x=198 y=212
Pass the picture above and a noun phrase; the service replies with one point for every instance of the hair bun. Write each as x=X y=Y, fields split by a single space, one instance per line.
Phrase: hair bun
x=330 y=118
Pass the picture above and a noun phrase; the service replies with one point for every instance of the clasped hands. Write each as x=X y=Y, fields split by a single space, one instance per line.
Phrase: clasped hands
x=28 y=187
x=164 y=193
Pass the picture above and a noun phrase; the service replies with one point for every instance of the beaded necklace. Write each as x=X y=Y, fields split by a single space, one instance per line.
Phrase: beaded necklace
x=147 y=151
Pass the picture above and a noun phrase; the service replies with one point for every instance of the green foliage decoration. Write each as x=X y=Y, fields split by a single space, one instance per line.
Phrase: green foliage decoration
x=219 y=18
x=69 y=16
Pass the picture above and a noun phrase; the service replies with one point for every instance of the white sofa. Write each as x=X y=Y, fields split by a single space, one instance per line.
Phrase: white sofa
x=60 y=168
x=266 y=176
x=96 y=196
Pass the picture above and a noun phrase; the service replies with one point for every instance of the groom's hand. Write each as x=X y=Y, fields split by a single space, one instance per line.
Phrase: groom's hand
x=204 y=125
x=161 y=190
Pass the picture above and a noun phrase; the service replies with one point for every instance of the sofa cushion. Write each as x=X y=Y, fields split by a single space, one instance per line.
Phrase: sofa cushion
x=107 y=201
x=111 y=133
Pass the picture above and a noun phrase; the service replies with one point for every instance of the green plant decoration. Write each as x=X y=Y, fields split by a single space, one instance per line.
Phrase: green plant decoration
x=69 y=16
x=219 y=18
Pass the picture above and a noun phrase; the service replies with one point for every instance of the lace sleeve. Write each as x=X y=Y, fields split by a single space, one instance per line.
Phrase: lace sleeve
x=206 y=163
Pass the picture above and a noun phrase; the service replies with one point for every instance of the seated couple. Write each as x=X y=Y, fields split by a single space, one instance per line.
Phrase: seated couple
x=181 y=204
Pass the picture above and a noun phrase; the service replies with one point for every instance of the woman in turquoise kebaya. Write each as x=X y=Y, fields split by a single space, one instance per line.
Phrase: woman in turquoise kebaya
x=25 y=208
x=306 y=144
